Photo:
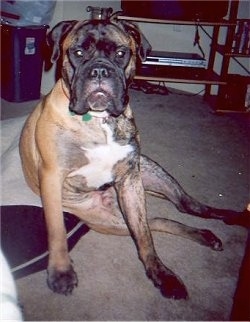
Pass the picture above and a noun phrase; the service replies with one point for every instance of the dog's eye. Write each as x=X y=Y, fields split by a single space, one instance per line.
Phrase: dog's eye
x=120 y=53
x=79 y=53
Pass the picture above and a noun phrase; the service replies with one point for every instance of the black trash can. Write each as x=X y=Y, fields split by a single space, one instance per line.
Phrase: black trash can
x=22 y=56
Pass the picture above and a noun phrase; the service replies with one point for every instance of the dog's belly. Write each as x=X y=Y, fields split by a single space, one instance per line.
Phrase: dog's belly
x=101 y=162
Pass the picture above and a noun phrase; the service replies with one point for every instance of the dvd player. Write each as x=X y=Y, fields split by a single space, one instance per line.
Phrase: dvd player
x=165 y=58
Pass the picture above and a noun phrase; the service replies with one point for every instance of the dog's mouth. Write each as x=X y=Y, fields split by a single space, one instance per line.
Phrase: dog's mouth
x=99 y=101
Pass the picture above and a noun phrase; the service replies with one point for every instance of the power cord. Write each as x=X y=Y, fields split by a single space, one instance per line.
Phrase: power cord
x=197 y=40
x=159 y=88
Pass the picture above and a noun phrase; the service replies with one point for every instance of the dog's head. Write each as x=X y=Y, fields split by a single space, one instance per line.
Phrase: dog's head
x=98 y=61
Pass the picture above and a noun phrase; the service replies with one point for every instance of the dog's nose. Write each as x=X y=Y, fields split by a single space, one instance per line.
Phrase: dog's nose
x=99 y=72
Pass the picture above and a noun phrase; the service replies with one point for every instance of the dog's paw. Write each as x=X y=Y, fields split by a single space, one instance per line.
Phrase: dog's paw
x=172 y=287
x=62 y=282
x=238 y=218
x=168 y=283
x=210 y=240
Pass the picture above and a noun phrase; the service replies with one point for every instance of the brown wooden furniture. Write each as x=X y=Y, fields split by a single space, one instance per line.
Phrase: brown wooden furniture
x=207 y=76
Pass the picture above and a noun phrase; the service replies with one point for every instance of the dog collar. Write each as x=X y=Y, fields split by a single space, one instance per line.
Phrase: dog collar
x=89 y=115
x=85 y=117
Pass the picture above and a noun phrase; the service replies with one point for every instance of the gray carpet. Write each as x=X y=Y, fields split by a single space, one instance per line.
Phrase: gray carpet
x=209 y=155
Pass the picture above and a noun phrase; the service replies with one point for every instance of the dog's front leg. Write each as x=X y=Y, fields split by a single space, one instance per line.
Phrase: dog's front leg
x=131 y=197
x=61 y=276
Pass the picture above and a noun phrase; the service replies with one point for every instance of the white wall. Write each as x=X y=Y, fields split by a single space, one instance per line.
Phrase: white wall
x=162 y=37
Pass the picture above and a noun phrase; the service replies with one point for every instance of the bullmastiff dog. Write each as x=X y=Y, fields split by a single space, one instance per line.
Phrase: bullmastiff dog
x=80 y=152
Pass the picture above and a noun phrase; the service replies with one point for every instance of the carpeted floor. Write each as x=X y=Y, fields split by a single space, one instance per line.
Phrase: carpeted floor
x=209 y=155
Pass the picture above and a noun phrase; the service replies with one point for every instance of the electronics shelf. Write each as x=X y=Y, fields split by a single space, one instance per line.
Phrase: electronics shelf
x=224 y=101
x=222 y=22
x=179 y=75
x=222 y=50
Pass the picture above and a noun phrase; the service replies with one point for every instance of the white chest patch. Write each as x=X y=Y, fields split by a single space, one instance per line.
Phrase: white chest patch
x=101 y=161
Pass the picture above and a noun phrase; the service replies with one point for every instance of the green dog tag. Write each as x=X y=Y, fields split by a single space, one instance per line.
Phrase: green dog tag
x=86 y=117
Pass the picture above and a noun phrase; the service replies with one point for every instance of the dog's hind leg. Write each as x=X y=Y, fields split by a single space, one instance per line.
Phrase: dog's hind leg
x=201 y=236
x=106 y=218
x=111 y=224
x=159 y=182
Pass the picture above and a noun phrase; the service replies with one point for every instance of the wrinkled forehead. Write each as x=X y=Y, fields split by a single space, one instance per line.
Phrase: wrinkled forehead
x=99 y=33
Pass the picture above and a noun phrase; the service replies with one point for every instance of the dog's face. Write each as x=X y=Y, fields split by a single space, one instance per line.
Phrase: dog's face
x=98 y=62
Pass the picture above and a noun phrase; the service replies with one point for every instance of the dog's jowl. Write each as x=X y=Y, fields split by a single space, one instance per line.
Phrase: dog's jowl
x=80 y=152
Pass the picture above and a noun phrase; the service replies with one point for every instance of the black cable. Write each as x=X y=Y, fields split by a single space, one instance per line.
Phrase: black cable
x=197 y=40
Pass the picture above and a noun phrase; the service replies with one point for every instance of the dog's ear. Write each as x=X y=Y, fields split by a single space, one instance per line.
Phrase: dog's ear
x=56 y=36
x=143 y=45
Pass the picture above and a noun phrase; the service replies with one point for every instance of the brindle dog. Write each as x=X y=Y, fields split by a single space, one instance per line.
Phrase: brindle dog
x=80 y=152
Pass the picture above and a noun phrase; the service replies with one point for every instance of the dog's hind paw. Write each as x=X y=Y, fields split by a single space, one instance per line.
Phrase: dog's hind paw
x=207 y=238
x=62 y=282
x=239 y=218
